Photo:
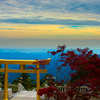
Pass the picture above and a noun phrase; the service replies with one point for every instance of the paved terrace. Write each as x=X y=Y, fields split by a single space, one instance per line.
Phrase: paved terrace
x=31 y=95
x=25 y=95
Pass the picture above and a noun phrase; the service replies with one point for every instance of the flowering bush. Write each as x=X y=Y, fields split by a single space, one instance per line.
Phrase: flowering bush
x=84 y=69
x=52 y=91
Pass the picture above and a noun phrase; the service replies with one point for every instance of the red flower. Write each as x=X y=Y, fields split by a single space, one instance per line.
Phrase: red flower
x=97 y=72
x=94 y=79
x=95 y=95
x=70 y=93
x=53 y=52
x=59 y=67
x=30 y=67
x=72 y=74
x=58 y=50
x=89 y=67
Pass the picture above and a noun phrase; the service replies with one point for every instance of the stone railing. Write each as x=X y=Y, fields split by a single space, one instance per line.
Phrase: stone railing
x=62 y=88
x=80 y=89
x=15 y=88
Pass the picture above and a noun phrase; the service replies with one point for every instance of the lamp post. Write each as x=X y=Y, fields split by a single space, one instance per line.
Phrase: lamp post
x=50 y=79
x=20 y=79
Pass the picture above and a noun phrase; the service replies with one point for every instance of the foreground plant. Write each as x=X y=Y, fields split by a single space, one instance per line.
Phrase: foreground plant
x=81 y=68
x=52 y=91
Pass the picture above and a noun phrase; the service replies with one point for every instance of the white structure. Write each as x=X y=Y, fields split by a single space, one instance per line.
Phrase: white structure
x=2 y=93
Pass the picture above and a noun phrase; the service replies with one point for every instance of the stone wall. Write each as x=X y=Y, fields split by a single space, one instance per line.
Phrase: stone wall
x=2 y=93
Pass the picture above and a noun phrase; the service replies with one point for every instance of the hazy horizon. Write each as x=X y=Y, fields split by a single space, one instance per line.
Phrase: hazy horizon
x=49 y=43
x=38 y=50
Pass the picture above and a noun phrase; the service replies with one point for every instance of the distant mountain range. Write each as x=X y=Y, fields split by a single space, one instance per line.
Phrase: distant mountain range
x=29 y=54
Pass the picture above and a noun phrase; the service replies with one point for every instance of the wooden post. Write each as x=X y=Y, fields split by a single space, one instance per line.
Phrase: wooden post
x=37 y=80
x=22 y=67
x=6 y=83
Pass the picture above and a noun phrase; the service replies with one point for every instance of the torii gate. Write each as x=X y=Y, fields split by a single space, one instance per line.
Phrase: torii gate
x=22 y=69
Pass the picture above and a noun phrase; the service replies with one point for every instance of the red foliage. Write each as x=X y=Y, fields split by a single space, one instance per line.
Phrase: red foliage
x=52 y=91
x=88 y=64
x=86 y=68
x=31 y=67
x=53 y=52
x=72 y=74
x=70 y=93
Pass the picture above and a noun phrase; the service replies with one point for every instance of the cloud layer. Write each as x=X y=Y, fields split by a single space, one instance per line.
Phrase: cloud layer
x=66 y=12
x=51 y=21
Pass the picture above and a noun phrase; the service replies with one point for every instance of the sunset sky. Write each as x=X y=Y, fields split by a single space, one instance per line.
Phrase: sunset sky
x=49 y=23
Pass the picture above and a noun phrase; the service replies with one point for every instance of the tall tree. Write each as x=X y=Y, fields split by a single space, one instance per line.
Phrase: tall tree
x=26 y=81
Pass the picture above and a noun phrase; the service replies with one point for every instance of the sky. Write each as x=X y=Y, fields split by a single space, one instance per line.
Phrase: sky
x=49 y=23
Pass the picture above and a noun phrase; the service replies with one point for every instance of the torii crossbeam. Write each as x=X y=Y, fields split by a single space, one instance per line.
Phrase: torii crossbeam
x=22 y=69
